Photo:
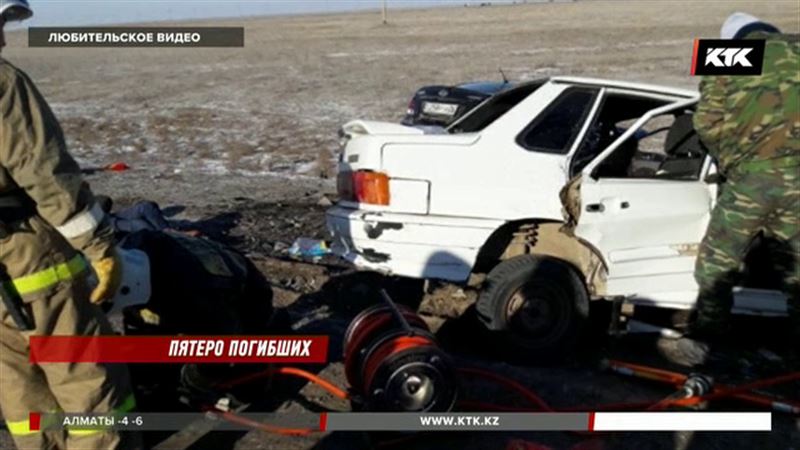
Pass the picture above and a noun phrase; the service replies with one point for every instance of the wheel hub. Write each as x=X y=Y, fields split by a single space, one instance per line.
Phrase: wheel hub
x=530 y=312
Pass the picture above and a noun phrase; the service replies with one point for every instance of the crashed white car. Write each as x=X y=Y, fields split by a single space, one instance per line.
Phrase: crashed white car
x=484 y=199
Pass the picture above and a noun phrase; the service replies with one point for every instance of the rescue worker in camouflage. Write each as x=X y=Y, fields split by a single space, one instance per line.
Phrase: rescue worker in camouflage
x=47 y=219
x=751 y=126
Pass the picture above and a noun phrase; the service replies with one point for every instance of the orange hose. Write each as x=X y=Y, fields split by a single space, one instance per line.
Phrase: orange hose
x=734 y=390
x=483 y=406
x=508 y=382
x=657 y=374
x=764 y=382
x=740 y=392
x=538 y=402
x=769 y=402
x=649 y=372
x=235 y=418
x=663 y=403
x=245 y=379
x=300 y=373
x=621 y=406
x=321 y=382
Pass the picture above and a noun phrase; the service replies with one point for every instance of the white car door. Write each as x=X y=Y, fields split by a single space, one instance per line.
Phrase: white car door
x=647 y=229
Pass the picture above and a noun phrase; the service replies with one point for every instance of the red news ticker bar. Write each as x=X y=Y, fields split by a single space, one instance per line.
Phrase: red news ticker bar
x=178 y=349
x=694 y=55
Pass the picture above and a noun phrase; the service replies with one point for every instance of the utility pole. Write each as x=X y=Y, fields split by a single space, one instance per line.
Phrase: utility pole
x=384 y=13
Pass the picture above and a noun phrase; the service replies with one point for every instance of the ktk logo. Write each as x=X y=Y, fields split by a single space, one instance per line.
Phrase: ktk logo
x=733 y=56
x=728 y=57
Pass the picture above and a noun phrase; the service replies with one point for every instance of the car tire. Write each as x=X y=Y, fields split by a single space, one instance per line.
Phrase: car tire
x=537 y=306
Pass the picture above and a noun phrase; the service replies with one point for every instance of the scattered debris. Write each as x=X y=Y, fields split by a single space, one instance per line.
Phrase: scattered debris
x=117 y=167
x=769 y=355
x=113 y=167
x=324 y=201
x=309 y=248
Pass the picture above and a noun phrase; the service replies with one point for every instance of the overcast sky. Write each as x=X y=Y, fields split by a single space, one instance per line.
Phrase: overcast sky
x=95 y=12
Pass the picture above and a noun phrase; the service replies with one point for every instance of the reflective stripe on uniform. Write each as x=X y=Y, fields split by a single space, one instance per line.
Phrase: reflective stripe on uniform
x=127 y=405
x=20 y=427
x=23 y=427
x=82 y=223
x=43 y=279
x=87 y=432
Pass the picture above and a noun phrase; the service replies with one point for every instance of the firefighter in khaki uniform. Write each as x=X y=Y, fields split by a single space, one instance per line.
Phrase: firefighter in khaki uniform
x=48 y=216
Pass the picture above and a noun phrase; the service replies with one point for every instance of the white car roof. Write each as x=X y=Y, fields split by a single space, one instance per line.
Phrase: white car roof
x=688 y=93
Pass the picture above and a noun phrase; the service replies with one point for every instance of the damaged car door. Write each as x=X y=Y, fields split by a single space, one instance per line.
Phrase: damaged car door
x=646 y=228
x=648 y=223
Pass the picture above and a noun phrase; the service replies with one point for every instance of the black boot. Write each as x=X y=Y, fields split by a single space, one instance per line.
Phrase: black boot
x=703 y=337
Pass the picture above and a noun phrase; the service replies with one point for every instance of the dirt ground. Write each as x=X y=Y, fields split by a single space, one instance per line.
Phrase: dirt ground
x=241 y=143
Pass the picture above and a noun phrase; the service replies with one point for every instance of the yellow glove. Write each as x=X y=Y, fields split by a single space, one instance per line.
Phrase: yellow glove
x=109 y=275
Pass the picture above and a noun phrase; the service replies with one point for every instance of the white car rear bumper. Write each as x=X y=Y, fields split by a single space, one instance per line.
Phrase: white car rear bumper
x=411 y=245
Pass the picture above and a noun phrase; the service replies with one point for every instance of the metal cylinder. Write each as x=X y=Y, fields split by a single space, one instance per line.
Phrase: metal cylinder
x=397 y=365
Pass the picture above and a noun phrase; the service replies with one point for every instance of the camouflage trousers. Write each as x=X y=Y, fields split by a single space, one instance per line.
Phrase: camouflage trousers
x=752 y=201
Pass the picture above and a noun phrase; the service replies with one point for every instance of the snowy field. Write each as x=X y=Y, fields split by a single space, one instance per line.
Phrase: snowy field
x=275 y=105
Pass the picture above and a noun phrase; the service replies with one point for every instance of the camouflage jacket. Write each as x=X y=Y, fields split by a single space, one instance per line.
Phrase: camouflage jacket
x=743 y=119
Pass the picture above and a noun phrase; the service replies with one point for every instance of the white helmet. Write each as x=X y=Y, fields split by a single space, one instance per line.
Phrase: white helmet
x=134 y=288
x=739 y=24
x=12 y=10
